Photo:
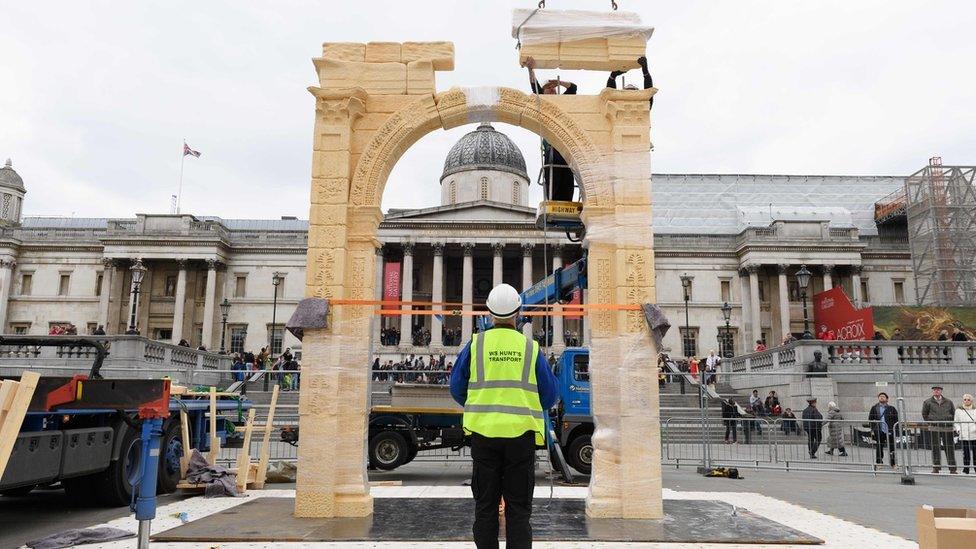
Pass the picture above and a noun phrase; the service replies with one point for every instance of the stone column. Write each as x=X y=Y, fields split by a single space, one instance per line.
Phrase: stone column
x=856 y=284
x=437 y=294
x=527 y=249
x=497 y=249
x=745 y=334
x=209 y=304
x=557 y=321
x=828 y=282
x=754 y=306
x=406 y=294
x=105 y=293
x=378 y=295
x=180 y=303
x=784 y=302
x=467 y=289
x=6 y=274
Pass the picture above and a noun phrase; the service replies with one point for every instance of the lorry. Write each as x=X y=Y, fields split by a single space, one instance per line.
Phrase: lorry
x=83 y=431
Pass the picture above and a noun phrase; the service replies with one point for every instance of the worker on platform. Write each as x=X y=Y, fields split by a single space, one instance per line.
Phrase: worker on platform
x=557 y=176
x=505 y=394
x=648 y=81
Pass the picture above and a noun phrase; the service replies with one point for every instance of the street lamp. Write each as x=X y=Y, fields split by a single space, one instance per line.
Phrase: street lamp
x=138 y=271
x=686 y=285
x=224 y=311
x=276 y=279
x=803 y=281
x=727 y=314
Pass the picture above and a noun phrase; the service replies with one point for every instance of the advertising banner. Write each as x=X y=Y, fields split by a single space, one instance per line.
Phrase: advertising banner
x=391 y=284
x=834 y=317
x=924 y=323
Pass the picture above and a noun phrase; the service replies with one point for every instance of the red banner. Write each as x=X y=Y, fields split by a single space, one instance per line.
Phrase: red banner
x=577 y=299
x=391 y=284
x=835 y=318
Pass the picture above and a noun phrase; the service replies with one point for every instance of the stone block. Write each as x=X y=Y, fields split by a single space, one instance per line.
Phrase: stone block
x=383 y=52
x=440 y=54
x=374 y=78
x=595 y=54
x=330 y=137
x=420 y=77
x=546 y=56
x=330 y=164
x=622 y=49
x=344 y=51
x=326 y=266
x=330 y=190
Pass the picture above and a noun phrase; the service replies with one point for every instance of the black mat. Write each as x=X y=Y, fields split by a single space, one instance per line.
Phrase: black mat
x=449 y=519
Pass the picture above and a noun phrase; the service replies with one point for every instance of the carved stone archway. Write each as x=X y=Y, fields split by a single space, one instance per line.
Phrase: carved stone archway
x=367 y=114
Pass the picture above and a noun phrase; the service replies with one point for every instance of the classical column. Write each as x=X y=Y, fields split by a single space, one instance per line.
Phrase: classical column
x=496 y=263
x=784 y=302
x=557 y=321
x=180 y=303
x=746 y=332
x=828 y=282
x=856 y=284
x=105 y=293
x=378 y=295
x=406 y=279
x=754 y=309
x=467 y=289
x=209 y=304
x=6 y=274
x=437 y=294
x=527 y=249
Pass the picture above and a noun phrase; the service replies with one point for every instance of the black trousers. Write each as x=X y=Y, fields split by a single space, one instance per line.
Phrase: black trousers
x=943 y=439
x=880 y=439
x=503 y=467
x=730 y=428
x=813 y=441
x=968 y=452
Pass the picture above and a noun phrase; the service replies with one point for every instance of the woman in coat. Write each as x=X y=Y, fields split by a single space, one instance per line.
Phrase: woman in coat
x=835 y=430
x=965 y=420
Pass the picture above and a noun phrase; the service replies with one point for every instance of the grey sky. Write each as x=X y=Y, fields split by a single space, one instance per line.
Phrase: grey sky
x=96 y=97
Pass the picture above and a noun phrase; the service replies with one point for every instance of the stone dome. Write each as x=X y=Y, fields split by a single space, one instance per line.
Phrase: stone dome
x=485 y=149
x=9 y=178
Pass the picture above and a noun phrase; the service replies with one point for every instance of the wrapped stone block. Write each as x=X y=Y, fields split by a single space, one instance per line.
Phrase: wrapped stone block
x=440 y=54
x=344 y=51
x=374 y=78
x=383 y=52
x=420 y=77
x=591 y=40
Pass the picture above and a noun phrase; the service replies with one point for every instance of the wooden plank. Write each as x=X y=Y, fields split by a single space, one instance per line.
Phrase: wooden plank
x=244 y=455
x=10 y=427
x=262 y=473
x=386 y=483
x=185 y=437
x=214 y=439
x=7 y=391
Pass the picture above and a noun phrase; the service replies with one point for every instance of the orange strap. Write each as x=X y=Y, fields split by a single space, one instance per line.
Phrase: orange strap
x=575 y=307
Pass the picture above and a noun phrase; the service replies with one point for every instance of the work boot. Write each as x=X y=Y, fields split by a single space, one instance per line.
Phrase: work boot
x=965 y=470
x=829 y=452
x=936 y=470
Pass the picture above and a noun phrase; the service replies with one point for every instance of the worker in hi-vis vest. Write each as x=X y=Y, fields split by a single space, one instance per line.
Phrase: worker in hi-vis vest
x=506 y=387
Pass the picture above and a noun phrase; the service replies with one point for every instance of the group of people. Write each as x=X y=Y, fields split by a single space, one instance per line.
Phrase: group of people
x=284 y=369
x=420 y=336
x=709 y=365
x=414 y=369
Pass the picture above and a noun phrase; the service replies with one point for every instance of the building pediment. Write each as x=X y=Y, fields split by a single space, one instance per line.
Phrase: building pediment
x=479 y=211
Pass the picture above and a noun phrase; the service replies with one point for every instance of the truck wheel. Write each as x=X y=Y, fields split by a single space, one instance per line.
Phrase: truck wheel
x=17 y=492
x=580 y=454
x=114 y=487
x=171 y=450
x=388 y=450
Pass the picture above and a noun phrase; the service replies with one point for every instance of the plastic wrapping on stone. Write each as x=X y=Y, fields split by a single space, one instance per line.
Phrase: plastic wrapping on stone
x=544 y=26
x=481 y=102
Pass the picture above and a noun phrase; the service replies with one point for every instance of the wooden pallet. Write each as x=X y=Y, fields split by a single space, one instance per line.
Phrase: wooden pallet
x=15 y=397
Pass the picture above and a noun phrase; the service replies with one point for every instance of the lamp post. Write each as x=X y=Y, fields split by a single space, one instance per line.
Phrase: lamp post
x=803 y=281
x=224 y=311
x=138 y=271
x=276 y=280
x=686 y=285
x=727 y=314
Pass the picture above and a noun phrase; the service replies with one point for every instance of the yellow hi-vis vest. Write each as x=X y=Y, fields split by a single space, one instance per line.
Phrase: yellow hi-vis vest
x=503 y=395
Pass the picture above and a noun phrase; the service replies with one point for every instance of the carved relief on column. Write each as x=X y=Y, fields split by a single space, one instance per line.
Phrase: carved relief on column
x=498 y=248
x=497 y=251
x=782 y=268
x=438 y=248
x=527 y=249
x=467 y=248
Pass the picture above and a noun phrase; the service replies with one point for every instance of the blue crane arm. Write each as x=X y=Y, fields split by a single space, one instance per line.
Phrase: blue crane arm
x=558 y=286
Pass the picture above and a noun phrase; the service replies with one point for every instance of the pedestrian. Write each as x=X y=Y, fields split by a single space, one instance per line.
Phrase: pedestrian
x=505 y=399
x=100 y=331
x=729 y=413
x=772 y=404
x=835 y=430
x=760 y=345
x=883 y=418
x=813 y=426
x=711 y=367
x=939 y=412
x=789 y=422
x=966 y=427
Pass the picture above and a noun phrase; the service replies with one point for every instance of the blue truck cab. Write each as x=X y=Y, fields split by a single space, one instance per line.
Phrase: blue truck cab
x=573 y=421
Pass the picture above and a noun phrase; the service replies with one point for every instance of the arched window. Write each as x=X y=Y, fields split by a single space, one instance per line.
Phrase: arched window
x=484 y=188
x=453 y=192
x=516 y=193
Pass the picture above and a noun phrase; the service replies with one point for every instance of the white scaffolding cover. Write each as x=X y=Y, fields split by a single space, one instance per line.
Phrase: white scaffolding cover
x=544 y=26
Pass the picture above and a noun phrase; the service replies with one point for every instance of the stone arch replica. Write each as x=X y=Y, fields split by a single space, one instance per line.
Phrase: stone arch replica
x=374 y=101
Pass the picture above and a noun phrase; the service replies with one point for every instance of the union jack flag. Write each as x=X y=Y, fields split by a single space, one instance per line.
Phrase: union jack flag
x=188 y=151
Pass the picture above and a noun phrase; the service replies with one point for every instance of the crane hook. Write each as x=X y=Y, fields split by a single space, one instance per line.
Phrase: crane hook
x=542 y=4
x=613 y=4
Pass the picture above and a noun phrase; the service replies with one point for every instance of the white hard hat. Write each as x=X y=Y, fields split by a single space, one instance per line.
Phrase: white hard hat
x=504 y=301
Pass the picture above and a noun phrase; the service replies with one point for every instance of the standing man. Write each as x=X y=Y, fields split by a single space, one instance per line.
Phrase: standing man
x=942 y=412
x=883 y=419
x=813 y=425
x=505 y=397
x=557 y=176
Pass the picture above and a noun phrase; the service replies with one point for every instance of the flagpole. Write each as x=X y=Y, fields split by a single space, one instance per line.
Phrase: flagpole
x=179 y=193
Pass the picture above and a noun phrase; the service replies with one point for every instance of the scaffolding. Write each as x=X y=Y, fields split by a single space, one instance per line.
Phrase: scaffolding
x=940 y=205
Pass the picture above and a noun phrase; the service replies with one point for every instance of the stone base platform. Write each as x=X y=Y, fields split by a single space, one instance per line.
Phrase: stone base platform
x=270 y=519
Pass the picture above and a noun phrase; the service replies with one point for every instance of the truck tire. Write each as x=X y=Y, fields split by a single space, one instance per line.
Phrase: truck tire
x=579 y=455
x=114 y=486
x=388 y=450
x=170 y=452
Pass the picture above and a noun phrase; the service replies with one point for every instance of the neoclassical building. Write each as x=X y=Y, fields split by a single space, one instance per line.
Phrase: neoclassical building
x=741 y=237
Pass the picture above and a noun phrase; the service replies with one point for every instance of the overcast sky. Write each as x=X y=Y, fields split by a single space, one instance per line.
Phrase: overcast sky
x=96 y=97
